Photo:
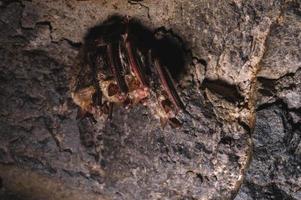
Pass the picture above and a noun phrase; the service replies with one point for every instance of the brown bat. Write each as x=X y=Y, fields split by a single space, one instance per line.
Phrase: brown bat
x=121 y=67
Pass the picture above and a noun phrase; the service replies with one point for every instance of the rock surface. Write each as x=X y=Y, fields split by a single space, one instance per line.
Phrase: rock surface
x=275 y=170
x=243 y=59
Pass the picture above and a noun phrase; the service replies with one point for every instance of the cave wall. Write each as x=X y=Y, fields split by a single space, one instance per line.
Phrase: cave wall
x=241 y=87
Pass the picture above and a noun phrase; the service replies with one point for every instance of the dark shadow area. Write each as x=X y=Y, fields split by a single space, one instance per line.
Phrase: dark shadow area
x=170 y=48
x=165 y=44
x=225 y=90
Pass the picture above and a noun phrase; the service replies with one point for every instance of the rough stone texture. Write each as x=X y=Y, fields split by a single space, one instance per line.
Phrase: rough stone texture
x=236 y=47
x=275 y=171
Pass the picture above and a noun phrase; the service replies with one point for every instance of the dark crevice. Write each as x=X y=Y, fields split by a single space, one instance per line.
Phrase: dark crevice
x=227 y=140
x=224 y=89
x=45 y=23
x=75 y=45
x=246 y=126
x=202 y=61
x=75 y=173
